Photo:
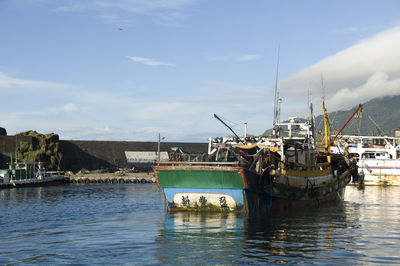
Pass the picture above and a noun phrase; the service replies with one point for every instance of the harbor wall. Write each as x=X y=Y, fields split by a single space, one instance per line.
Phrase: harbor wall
x=8 y=145
x=94 y=155
x=110 y=155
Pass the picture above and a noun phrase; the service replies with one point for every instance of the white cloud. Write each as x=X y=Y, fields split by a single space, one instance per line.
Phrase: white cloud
x=235 y=57
x=140 y=6
x=166 y=12
x=70 y=107
x=358 y=30
x=10 y=82
x=368 y=69
x=248 y=57
x=149 y=61
x=113 y=115
x=377 y=85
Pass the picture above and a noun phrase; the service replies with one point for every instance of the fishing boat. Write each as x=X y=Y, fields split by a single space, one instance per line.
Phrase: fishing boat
x=246 y=174
x=29 y=174
x=378 y=158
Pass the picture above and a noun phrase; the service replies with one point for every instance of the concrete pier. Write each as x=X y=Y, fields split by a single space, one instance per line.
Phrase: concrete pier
x=112 y=178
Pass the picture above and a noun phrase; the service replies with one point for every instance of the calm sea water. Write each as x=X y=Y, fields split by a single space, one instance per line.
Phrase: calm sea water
x=128 y=224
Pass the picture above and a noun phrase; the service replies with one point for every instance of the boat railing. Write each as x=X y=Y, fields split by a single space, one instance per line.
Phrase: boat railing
x=305 y=167
x=178 y=163
x=54 y=173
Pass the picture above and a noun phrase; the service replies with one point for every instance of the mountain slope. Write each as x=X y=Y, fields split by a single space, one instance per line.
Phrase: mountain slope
x=385 y=112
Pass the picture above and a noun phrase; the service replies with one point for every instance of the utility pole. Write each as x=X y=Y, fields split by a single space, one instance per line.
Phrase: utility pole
x=158 y=146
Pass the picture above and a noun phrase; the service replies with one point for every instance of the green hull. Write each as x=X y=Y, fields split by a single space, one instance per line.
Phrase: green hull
x=198 y=187
x=200 y=178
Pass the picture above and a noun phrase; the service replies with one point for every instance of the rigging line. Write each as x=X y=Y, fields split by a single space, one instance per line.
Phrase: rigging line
x=331 y=126
x=330 y=122
x=227 y=120
x=359 y=125
x=334 y=116
x=237 y=124
x=352 y=124
x=228 y=127
x=320 y=122
x=232 y=124
x=276 y=88
x=377 y=126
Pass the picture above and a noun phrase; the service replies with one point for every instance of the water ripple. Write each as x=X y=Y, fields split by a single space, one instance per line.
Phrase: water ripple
x=128 y=224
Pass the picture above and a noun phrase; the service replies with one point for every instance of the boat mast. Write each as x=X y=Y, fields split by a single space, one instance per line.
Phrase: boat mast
x=325 y=117
x=229 y=128
x=276 y=99
x=312 y=137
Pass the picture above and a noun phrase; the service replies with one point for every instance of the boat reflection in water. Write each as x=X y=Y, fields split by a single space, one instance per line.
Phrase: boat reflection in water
x=201 y=237
x=318 y=235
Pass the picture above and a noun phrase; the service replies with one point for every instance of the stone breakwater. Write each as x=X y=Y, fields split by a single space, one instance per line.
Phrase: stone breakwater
x=75 y=155
x=112 y=178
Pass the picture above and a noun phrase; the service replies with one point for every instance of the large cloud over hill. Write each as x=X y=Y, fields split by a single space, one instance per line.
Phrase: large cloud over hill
x=368 y=69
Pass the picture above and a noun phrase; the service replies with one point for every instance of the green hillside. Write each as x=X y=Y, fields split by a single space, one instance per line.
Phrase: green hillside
x=385 y=112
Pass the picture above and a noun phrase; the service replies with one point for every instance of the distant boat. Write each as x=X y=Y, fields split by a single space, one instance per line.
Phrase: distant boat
x=29 y=174
x=246 y=174
x=378 y=158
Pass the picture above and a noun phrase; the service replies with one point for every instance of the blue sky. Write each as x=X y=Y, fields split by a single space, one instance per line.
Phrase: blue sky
x=128 y=69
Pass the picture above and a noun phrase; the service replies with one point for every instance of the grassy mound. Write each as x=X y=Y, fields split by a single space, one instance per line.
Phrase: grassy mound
x=44 y=148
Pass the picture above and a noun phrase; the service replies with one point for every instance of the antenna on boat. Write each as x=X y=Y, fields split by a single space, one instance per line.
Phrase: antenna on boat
x=325 y=114
x=229 y=128
x=312 y=119
x=326 y=146
x=276 y=98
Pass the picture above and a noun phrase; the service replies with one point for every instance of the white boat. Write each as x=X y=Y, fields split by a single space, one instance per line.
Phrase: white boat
x=378 y=158
x=29 y=174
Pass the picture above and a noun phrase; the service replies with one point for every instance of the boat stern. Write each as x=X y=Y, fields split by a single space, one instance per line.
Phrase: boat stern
x=202 y=186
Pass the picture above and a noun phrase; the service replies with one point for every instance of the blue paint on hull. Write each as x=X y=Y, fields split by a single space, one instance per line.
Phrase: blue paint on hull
x=236 y=194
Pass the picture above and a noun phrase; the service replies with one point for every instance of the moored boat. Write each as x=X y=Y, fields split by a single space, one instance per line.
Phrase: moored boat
x=204 y=185
x=378 y=158
x=256 y=174
x=29 y=174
